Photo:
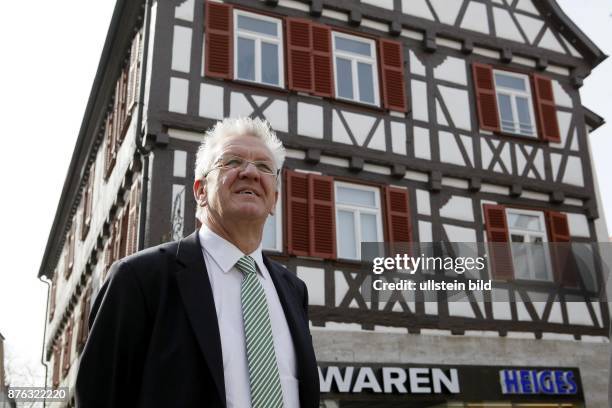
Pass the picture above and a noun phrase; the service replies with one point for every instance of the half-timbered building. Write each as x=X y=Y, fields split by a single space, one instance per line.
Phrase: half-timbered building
x=404 y=121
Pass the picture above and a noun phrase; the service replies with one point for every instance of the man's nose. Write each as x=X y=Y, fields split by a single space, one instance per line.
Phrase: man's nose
x=250 y=170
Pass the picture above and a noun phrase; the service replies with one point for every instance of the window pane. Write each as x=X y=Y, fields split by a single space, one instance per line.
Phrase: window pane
x=269 y=63
x=366 y=82
x=257 y=25
x=505 y=110
x=520 y=260
x=354 y=46
x=344 y=78
x=346 y=235
x=246 y=59
x=525 y=222
x=524 y=116
x=364 y=198
x=511 y=82
x=369 y=231
x=269 y=233
x=539 y=259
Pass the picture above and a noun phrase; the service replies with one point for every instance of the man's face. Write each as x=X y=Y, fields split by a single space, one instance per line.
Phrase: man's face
x=239 y=194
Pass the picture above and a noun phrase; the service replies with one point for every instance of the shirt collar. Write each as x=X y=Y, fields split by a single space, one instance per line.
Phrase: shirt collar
x=224 y=253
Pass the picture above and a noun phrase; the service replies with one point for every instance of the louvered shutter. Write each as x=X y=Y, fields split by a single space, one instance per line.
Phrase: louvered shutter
x=117 y=239
x=122 y=109
x=323 y=71
x=564 y=265
x=53 y=296
x=132 y=238
x=322 y=217
x=67 y=347
x=397 y=215
x=544 y=103
x=84 y=320
x=57 y=357
x=219 y=40
x=87 y=204
x=500 y=255
x=299 y=54
x=134 y=73
x=108 y=255
x=69 y=260
x=297 y=225
x=109 y=152
x=486 y=99
x=392 y=75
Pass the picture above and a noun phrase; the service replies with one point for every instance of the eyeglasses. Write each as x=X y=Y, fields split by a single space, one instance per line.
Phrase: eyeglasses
x=231 y=162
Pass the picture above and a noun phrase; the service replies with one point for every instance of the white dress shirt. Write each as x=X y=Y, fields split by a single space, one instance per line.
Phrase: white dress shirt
x=220 y=257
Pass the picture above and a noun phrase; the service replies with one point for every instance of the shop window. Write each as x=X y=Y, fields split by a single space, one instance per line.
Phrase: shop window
x=528 y=239
x=355 y=68
x=358 y=218
x=259 y=52
x=514 y=103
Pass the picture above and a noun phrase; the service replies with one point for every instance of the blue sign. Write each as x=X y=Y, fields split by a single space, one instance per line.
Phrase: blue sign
x=530 y=381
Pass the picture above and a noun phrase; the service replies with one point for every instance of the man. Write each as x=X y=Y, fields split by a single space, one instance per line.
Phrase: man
x=207 y=321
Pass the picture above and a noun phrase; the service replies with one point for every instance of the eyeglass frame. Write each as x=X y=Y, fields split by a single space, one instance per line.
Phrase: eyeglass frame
x=242 y=166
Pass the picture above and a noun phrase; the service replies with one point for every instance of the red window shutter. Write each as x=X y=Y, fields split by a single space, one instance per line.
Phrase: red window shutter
x=117 y=240
x=500 y=255
x=486 y=100
x=219 y=40
x=57 y=356
x=565 y=270
x=67 y=347
x=84 y=320
x=298 y=230
x=299 y=52
x=397 y=213
x=132 y=236
x=323 y=71
x=322 y=216
x=544 y=102
x=109 y=152
x=133 y=75
x=108 y=255
x=392 y=74
x=53 y=295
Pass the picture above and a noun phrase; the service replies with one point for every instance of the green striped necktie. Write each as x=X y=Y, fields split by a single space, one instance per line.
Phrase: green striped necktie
x=263 y=372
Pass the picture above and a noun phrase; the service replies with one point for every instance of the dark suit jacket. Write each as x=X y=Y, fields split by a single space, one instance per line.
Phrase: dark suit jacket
x=154 y=337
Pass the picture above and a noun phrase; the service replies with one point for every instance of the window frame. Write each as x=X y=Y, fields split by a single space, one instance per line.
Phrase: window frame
x=357 y=220
x=513 y=93
x=354 y=58
x=278 y=225
x=544 y=235
x=258 y=38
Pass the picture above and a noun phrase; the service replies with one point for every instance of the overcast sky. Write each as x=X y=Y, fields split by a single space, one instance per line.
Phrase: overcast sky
x=50 y=52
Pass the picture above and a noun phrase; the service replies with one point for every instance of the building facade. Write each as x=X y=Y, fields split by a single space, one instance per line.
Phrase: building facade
x=421 y=121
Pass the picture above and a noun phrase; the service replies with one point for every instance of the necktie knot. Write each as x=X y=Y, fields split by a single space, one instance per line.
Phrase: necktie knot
x=246 y=265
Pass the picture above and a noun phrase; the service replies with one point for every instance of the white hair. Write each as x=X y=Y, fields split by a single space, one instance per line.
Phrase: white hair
x=208 y=150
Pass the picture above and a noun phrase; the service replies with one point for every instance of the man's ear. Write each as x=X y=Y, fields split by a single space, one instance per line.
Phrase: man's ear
x=199 y=192
x=273 y=209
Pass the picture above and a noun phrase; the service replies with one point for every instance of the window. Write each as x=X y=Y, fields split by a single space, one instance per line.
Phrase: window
x=514 y=103
x=272 y=233
x=358 y=218
x=355 y=68
x=528 y=237
x=259 y=52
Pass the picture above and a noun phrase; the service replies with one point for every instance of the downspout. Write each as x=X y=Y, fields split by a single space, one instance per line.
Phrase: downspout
x=42 y=357
x=139 y=134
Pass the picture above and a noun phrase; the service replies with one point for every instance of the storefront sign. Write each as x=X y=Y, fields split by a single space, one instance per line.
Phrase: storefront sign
x=551 y=382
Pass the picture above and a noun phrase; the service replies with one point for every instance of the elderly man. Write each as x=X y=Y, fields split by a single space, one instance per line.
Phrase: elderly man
x=207 y=321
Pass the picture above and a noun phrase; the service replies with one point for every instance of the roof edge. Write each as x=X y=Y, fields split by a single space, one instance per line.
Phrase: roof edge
x=592 y=119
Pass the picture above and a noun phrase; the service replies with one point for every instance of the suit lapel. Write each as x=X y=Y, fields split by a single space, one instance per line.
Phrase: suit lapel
x=197 y=295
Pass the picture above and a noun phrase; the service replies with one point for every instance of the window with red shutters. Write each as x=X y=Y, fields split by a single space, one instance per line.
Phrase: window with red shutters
x=57 y=357
x=392 y=74
x=310 y=215
x=219 y=44
x=486 y=99
x=500 y=255
x=299 y=54
x=110 y=153
x=546 y=111
x=132 y=234
x=84 y=320
x=397 y=211
x=133 y=73
x=67 y=347
x=69 y=252
x=565 y=269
